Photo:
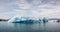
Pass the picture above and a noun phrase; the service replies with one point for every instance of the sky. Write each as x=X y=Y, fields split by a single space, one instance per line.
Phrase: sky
x=31 y=8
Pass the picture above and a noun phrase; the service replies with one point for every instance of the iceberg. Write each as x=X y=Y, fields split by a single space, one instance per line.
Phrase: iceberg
x=24 y=19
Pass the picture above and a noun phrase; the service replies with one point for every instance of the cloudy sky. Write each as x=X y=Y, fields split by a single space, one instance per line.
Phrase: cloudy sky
x=31 y=8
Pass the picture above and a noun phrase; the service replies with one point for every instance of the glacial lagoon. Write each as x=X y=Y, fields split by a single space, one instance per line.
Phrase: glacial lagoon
x=50 y=26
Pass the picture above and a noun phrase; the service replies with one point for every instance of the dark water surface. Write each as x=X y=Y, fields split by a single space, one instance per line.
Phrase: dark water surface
x=50 y=26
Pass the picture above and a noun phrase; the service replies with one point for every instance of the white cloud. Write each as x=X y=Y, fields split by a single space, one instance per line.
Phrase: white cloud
x=36 y=8
x=23 y=4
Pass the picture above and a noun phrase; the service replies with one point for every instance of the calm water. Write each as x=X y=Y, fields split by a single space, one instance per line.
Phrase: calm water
x=50 y=26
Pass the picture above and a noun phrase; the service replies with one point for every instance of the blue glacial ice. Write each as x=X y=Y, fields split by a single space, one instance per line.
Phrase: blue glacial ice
x=20 y=19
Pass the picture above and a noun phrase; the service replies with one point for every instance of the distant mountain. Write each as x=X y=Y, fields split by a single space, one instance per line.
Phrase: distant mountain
x=54 y=19
x=4 y=19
